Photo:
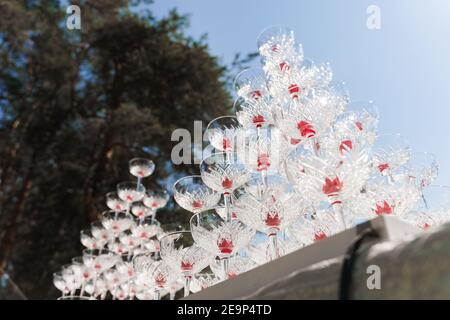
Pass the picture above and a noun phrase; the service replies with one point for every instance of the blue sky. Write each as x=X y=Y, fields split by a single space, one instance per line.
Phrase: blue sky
x=404 y=67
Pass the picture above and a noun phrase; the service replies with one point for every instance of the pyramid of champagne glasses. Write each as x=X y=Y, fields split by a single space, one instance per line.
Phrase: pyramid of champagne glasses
x=297 y=163
x=105 y=270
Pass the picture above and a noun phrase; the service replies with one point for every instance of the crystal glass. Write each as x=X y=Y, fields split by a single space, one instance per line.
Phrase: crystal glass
x=155 y=200
x=121 y=247
x=391 y=151
x=155 y=274
x=222 y=211
x=130 y=192
x=114 y=281
x=60 y=283
x=223 y=172
x=115 y=203
x=140 y=211
x=260 y=249
x=193 y=195
x=263 y=150
x=220 y=237
x=433 y=210
x=82 y=272
x=221 y=133
x=236 y=266
x=143 y=233
x=305 y=118
x=99 y=261
x=310 y=228
x=100 y=233
x=203 y=280
x=175 y=286
x=423 y=168
x=141 y=168
x=364 y=116
x=91 y=242
x=395 y=196
x=116 y=222
x=326 y=178
x=268 y=208
x=97 y=289
x=273 y=38
x=348 y=137
x=180 y=252
x=253 y=107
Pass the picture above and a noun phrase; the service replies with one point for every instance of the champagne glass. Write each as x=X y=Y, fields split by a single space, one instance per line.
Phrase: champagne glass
x=91 y=242
x=116 y=223
x=130 y=192
x=204 y=280
x=180 y=252
x=223 y=172
x=141 y=168
x=115 y=203
x=433 y=210
x=193 y=195
x=268 y=208
x=236 y=266
x=221 y=133
x=155 y=200
x=155 y=274
x=391 y=151
x=220 y=237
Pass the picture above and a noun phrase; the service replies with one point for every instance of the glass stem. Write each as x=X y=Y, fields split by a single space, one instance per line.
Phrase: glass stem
x=390 y=178
x=339 y=211
x=138 y=183
x=95 y=284
x=153 y=216
x=129 y=290
x=264 y=179
x=274 y=246
x=157 y=295
x=187 y=285
x=425 y=202
x=82 y=289
x=172 y=294
x=226 y=200
x=315 y=146
x=225 y=267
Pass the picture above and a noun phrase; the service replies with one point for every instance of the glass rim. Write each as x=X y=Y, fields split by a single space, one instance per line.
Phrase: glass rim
x=221 y=117
x=175 y=232
x=273 y=26
x=185 y=178
x=243 y=71
x=141 y=158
